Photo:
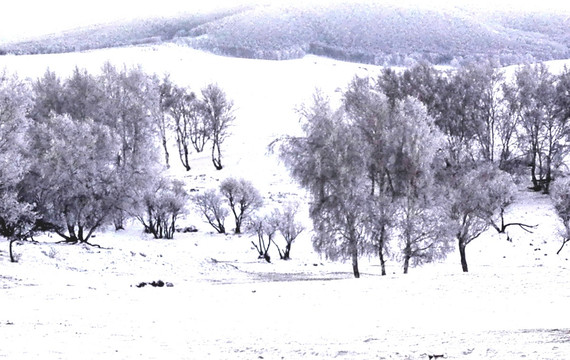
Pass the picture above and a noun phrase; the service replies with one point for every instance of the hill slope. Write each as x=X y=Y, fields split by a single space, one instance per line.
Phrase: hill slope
x=364 y=31
x=72 y=301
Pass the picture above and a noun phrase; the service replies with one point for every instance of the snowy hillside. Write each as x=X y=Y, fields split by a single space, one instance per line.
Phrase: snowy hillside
x=68 y=302
x=387 y=32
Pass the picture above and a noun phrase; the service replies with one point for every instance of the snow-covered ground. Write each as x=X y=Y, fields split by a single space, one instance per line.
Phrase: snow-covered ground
x=70 y=302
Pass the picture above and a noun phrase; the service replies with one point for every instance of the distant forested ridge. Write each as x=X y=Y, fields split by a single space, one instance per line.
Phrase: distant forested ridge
x=361 y=32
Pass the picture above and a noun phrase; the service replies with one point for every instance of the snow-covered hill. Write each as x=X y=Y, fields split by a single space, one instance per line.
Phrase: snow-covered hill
x=69 y=302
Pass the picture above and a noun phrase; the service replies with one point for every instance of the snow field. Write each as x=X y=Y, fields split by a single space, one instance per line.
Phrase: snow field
x=69 y=302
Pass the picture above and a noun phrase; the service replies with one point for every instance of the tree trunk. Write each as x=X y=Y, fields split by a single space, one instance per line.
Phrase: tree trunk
x=535 y=182
x=355 y=265
x=217 y=160
x=548 y=179
x=406 y=263
x=382 y=263
x=166 y=154
x=381 y=250
x=186 y=161
x=12 y=258
x=353 y=243
x=238 y=222
x=287 y=253
x=462 y=255
x=563 y=243
x=119 y=220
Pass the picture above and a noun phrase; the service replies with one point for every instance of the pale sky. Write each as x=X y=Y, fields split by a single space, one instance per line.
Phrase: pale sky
x=24 y=18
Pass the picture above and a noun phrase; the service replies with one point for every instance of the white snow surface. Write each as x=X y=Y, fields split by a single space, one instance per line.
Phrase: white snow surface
x=69 y=302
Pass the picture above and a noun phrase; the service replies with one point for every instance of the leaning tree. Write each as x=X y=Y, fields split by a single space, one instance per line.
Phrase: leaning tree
x=476 y=197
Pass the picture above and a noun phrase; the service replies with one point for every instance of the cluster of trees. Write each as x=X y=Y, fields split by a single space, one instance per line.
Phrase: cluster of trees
x=414 y=161
x=516 y=123
x=83 y=152
x=244 y=201
x=195 y=121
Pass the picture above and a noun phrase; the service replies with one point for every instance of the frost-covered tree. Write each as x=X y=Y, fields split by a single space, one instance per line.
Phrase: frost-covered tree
x=288 y=227
x=380 y=225
x=463 y=102
x=160 y=207
x=130 y=100
x=158 y=100
x=372 y=113
x=189 y=125
x=415 y=140
x=211 y=205
x=476 y=197
x=82 y=96
x=16 y=215
x=128 y=111
x=48 y=93
x=265 y=227
x=389 y=82
x=217 y=111
x=507 y=125
x=17 y=220
x=560 y=195
x=485 y=107
x=243 y=198
x=72 y=176
x=327 y=161
x=543 y=131
x=422 y=232
x=563 y=95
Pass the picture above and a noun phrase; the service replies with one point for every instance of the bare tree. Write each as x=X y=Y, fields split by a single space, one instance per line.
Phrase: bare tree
x=160 y=112
x=181 y=105
x=217 y=111
x=210 y=204
x=289 y=228
x=265 y=228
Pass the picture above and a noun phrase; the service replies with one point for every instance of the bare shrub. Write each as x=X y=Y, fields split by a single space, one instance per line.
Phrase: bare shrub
x=210 y=205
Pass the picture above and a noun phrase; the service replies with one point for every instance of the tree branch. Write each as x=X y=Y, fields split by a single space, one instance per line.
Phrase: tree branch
x=561 y=247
